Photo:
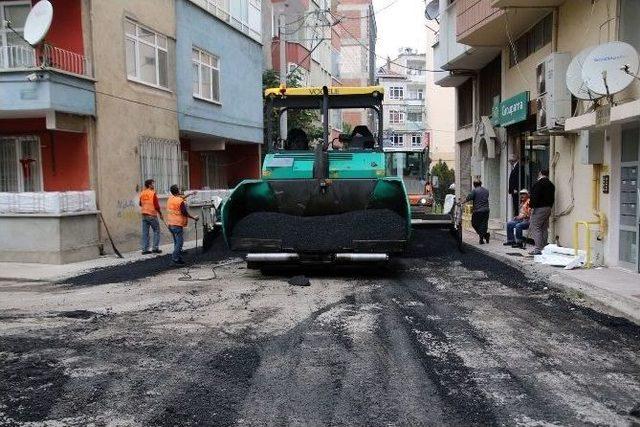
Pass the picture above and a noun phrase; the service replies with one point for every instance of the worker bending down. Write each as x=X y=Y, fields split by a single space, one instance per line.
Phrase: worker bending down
x=177 y=219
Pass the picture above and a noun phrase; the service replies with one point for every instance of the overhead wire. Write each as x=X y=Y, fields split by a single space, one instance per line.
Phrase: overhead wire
x=380 y=57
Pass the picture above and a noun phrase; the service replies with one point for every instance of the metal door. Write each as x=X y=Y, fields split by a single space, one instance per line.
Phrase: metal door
x=629 y=195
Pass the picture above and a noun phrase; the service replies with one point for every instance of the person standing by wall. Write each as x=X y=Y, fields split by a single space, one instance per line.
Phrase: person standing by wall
x=541 y=201
x=480 y=216
x=516 y=178
x=150 y=210
x=177 y=219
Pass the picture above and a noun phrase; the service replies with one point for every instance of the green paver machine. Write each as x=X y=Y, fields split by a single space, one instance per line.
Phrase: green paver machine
x=320 y=201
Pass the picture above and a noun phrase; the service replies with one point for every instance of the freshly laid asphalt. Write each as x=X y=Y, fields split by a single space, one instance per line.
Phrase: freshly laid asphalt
x=439 y=338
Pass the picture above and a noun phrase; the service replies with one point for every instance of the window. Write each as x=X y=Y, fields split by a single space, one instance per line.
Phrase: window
x=185 y=170
x=146 y=53
x=533 y=40
x=14 y=52
x=206 y=75
x=20 y=166
x=465 y=103
x=416 y=140
x=397 y=140
x=396 y=117
x=415 y=68
x=415 y=117
x=396 y=92
x=160 y=160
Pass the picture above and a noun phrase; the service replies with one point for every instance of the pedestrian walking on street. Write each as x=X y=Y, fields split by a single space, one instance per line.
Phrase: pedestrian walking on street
x=541 y=202
x=519 y=223
x=150 y=210
x=177 y=219
x=480 y=216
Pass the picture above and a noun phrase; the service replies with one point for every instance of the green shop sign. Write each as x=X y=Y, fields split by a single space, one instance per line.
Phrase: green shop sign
x=514 y=109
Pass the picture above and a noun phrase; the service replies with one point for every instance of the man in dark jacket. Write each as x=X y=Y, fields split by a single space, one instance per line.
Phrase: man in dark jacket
x=480 y=217
x=541 y=201
x=516 y=182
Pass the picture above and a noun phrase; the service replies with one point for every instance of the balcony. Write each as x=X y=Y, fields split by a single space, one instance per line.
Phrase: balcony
x=526 y=3
x=481 y=23
x=451 y=55
x=36 y=81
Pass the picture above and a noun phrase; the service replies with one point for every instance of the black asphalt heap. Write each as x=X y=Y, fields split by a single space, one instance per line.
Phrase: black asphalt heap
x=323 y=233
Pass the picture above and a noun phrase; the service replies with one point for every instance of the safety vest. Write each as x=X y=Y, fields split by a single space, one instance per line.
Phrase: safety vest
x=147 y=207
x=174 y=215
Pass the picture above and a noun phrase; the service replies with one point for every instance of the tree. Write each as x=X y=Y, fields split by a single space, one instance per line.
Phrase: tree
x=446 y=177
x=307 y=120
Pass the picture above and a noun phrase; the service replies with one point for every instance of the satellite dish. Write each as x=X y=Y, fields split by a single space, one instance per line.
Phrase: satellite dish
x=610 y=68
x=38 y=22
x=575 y=83
x=432 y=11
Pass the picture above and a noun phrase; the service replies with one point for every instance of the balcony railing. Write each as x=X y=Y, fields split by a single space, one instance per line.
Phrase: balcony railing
x=47 y=57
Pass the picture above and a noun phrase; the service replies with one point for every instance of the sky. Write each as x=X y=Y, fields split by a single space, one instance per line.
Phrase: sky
x=401 y=24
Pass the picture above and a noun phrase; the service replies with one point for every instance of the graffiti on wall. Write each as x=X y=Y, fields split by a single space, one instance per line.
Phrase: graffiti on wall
x=127 y=210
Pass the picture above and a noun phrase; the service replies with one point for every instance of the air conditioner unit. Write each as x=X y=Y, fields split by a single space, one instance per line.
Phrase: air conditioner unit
x=554 y=99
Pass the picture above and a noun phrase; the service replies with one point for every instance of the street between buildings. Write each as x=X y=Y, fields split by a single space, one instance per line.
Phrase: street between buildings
x=440 y=338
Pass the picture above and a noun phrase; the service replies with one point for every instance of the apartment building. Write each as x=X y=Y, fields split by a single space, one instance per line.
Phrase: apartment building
x=404 y=79
x=510 y=106
x=122 y=91
x=357 y=32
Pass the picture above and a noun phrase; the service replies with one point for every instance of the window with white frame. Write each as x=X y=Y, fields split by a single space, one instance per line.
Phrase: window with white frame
x=396 y=117
x=397 y=140
x=14 y=51
x=20 y=166
x=147 y=55
x=414 y=116
x=416 y=140
x=160 y=160
x=420 y=94
x=396 y=92
x=206 y=75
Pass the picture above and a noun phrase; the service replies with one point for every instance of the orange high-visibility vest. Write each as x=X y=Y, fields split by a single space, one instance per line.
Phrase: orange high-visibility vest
x=147 y=207
x=174 y=215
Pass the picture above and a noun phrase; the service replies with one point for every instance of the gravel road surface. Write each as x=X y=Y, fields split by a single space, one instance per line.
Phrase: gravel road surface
x=440 y=338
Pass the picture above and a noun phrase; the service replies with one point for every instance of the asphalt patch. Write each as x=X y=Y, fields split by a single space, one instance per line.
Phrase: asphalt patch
x=147 y=267
x=78 y=314
x=328 y=233
x=299 y=281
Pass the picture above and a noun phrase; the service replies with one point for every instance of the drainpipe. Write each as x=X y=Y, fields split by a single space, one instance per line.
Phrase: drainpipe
x=552 y=139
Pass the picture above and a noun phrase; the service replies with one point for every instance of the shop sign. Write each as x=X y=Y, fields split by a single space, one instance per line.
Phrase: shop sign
x=514 y=109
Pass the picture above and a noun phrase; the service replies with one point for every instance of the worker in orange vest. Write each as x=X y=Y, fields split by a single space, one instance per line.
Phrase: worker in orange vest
x=150 y=210
x=177 y=218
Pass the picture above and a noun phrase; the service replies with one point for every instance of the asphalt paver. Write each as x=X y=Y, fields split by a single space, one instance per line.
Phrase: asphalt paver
x=443 y=338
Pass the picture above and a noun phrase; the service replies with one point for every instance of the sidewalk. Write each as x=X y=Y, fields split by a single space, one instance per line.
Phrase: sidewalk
x=610 y=289
x=54 y=272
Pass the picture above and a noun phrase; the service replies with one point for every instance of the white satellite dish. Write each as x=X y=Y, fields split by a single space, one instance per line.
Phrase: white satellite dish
x=38 y=22
x=432 y=11
x=610 y=68
x=575 y=83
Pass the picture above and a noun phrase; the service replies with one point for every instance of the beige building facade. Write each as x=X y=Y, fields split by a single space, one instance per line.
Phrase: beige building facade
x=492 y=57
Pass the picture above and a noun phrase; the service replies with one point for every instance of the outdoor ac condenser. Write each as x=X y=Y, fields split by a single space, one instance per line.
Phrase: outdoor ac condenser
x=554 y=98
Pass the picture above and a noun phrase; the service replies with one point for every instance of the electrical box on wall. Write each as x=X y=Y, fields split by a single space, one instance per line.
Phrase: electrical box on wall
x=554 y=99
x=591 y=147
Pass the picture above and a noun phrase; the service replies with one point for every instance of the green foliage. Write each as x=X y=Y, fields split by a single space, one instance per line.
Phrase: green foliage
x=347 y=128
x=446 y=177
x=307 y=120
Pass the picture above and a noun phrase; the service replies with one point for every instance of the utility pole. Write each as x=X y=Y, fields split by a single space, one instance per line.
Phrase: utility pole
x=283 y=70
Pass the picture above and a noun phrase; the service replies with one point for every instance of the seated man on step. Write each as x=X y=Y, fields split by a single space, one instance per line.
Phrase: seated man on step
x=519 y=223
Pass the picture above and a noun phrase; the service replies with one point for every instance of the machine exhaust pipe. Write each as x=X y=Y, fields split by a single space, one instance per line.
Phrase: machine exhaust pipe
x=273 y=257
x=347 y=257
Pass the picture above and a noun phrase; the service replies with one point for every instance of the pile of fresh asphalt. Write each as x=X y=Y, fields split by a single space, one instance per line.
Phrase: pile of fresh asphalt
x=322 y=233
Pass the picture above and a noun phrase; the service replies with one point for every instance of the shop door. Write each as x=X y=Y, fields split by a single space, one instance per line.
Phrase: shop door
x=465 y=167
x=629 y=195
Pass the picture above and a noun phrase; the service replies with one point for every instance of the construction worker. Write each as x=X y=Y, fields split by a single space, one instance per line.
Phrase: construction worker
x=177 y=219
x=150 y=210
